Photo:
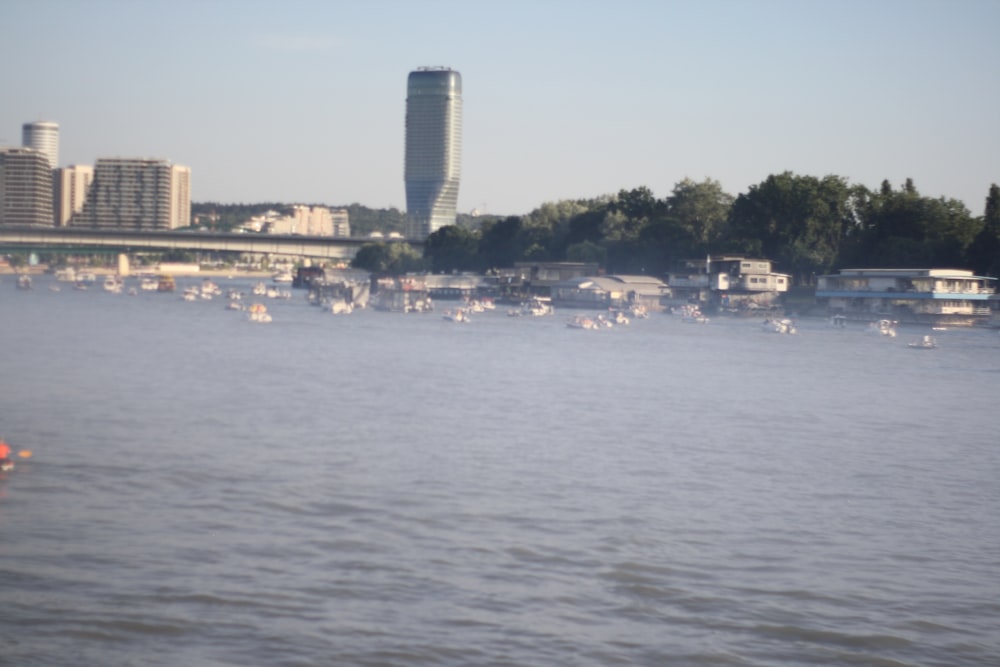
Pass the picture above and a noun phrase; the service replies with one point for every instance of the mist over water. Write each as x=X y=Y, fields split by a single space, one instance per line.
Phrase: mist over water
x=387 y=489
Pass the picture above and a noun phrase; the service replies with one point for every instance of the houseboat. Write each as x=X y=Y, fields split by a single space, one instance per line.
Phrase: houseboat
x=730 y=284
x=614 y=292
x=937 y=297
x=407 y=294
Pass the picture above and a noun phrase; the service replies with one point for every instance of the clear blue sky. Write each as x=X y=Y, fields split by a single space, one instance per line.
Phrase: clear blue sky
x=304 y=102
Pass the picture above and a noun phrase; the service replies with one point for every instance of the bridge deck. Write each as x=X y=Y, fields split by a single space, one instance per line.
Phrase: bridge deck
x=85 y=240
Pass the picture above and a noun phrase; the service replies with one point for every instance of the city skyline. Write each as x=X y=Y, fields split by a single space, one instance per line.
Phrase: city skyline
x=301 y=102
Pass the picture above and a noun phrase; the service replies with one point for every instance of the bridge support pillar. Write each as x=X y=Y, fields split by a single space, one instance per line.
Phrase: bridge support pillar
x=123 y=265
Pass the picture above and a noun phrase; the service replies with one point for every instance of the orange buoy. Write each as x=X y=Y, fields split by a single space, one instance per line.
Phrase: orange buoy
x=25 y=453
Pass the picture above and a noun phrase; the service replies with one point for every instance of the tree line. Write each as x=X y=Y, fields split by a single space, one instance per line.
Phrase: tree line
x=807 y=225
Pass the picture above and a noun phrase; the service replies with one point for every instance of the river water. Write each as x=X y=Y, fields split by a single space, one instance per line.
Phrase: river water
x=381 y=489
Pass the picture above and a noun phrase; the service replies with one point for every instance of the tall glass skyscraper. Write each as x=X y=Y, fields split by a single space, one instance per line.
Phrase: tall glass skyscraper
x=433 y=149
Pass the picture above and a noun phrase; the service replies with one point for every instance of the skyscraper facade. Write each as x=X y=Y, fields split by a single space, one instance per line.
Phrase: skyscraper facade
x=25 y=187
x=43 y=136
x=71 y=186
x=433 y=149
x=137 y=194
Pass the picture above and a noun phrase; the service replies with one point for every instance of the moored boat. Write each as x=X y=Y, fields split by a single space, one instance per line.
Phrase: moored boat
x=166 y=283
x=925 y=343
x=779 y=325
x=582 y=322
x=258 y=313
x=883 y=328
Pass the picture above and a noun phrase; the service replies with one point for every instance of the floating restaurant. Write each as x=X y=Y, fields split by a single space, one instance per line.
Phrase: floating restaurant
x=917 y=296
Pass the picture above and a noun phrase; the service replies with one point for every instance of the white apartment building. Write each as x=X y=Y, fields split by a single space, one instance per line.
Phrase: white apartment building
x=70 y=191
x=25 y=187
x=310 y=221
x=137 y=194
x=180 y=197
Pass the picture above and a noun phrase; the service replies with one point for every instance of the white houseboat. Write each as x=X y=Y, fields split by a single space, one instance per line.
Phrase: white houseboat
x=732 y=284
x=916 y=296
x=616 y=292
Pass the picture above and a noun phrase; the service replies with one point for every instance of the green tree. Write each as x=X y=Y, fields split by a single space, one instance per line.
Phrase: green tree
x=500 y=242
x=798 y=221
x=637 y=204
x=452 y=248
x=388 y=258
x=701 y=210
x=984 y=252
x=903 y=228
x=548 y=230
x=587 y=251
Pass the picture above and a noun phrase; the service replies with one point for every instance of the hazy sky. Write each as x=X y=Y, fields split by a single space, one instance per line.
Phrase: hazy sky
x=304 y=102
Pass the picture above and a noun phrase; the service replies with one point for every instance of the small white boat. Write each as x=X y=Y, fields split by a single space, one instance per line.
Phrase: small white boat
x=620 y=317
x=113 y=284
x=639 y=311
x=457 y=315
x=258 y=313
x=780 y=326
x=537 y=307
x=341 y=307
x=883 y=328
x=582 y=322
x=66 y=275
x=24 y=281
x=209 y=289
x=925 y=343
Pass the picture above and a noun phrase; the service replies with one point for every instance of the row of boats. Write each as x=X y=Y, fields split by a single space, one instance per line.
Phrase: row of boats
x=535 y=307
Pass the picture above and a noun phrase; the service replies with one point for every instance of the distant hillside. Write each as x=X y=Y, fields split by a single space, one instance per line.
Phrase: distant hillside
x=364 y=220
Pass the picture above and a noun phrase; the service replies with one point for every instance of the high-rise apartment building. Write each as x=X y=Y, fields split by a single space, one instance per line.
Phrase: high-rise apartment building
x=433 y=149
x=137 y=194
x=25 y=187
x=43 y=136
x=180 y=196
x=70 y=191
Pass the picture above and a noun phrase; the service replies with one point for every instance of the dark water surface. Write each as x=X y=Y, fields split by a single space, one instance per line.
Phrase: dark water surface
x=383 y=489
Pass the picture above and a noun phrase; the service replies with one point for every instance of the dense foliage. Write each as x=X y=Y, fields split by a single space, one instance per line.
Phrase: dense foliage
x=807 y=225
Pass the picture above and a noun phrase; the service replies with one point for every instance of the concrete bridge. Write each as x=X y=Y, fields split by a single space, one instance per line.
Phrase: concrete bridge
x=84 y=241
